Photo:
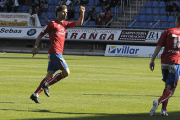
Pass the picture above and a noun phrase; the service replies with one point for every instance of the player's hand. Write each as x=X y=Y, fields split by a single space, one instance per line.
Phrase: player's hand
x=34 y=51
x=81 y=9
x=151 y=66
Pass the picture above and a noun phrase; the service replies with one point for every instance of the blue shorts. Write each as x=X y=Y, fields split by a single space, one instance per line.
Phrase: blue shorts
x=171 y=77
x=56 y=62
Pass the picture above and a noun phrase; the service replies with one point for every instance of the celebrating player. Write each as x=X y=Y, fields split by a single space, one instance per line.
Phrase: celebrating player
x=56 y=30
x=170 y=65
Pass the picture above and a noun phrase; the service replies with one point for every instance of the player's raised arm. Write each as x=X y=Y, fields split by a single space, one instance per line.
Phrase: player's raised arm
x=81 y=16
x=38 y=40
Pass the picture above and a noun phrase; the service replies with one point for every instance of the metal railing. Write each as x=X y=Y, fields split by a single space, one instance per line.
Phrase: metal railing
x=132 y=23
x=156 y=23
x=86 y=21
x=109 y=22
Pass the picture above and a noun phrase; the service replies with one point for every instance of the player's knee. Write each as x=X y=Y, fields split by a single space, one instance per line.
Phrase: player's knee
x=66 y=72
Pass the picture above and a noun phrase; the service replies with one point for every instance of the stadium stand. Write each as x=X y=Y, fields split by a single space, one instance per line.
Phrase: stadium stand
x=151 y=12
x=52 y=5
x=154 y=14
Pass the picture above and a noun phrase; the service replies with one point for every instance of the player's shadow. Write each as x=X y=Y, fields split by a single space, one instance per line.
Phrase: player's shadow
x=103 y=116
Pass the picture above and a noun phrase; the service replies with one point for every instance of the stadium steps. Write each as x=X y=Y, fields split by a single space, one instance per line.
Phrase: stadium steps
x=125 y=17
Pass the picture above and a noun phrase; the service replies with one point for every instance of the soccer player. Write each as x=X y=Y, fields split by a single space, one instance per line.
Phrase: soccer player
x=170 y=65
x=56 y=30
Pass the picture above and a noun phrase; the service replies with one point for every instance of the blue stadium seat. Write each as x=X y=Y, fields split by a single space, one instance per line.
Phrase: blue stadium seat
x=162 y=11
x=149 y=18
x=164 y=18
x=137 y=24
x=98 y=9
x=143 y=24
x=43 y=15
x=51 y=16
x=91 y=3
x=136 y=17
x=165 y=25
x=25 y=8
x=177 y=3
x=51 y=8
x=92 y=23
x=56 y=2
x=118 y=10
x=76 y=9
x=96 y=2
x=43 y=22
x=20 y=7
x=156 y=18
x=155 y=4
x=171 y=19
x=148 y=4
x=162 y=4
x=149 y=11
x=171 y=25
x=86 y=23
x=156 y=11
x=158 y=25
x=142 y=11
x=76 y=16
x=150 y=25
x=129 y=23
x=143 y=18
x=51 y=2
x=112 y=9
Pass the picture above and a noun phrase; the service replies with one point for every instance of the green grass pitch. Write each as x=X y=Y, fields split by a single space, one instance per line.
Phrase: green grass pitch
x=98 y=88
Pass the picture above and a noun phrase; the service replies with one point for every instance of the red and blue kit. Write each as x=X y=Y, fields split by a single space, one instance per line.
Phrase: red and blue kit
x=170 y=39
x=170 y=58
x=56 y=31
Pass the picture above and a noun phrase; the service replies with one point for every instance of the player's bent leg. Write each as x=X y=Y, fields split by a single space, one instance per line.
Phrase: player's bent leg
x=54 y=80
x=66 y=72
x=166 y=95
x=35 y=95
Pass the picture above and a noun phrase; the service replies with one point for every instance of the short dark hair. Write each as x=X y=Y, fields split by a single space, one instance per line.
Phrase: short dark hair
x=60 y=8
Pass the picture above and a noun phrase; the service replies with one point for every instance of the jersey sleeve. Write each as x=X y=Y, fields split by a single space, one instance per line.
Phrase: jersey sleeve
x=162 y=39
x=47 y=28
x=71 y=24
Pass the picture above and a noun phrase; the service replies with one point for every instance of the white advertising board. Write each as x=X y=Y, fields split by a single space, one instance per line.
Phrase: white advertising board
x=19 y=19
x=131 y=51
x=85 y=34
x=19 y=33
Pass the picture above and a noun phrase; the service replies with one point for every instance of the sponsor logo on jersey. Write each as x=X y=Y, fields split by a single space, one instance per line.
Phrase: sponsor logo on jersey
x=61 y=31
